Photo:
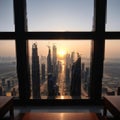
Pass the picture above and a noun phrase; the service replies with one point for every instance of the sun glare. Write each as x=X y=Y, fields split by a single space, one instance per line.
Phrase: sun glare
x=61 y=53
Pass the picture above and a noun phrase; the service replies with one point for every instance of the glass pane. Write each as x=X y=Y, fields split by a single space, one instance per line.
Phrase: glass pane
x=111 y=76
x=113 y=16
x=60 y=69
x=60 y=15
x=8 y=76
x=6 y=15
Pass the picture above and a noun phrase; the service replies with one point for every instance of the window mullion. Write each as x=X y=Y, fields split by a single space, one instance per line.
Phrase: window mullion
x=97 y=52
x=22 y=48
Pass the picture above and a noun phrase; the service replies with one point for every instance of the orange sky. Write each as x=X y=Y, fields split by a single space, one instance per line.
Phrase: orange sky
x=83 y=47
x=7 y=48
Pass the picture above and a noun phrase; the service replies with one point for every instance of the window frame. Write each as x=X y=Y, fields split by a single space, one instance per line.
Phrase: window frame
x=98 y=37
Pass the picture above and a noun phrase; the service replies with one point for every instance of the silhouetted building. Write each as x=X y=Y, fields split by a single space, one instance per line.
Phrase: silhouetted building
x=75 y=90
x=59 y=67
x=83 y=71
x=55 y=66
x=49 y=64
x=67 y=70
x=83 y=66
x=67 y=80
x=43 y=73
x=54 y=58
x=118 y=91
x=72 y=57
x=35 y=72
x=68 y=60
x=67 y=75
x=87 y=74
x=51 y=91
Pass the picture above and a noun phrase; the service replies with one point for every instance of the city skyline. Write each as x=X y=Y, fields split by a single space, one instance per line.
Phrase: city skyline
x=7 y=48
x=60 y=77
x=51 y=64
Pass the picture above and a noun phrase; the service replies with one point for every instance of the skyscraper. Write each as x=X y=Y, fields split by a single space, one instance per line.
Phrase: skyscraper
x=43 y=72
x=75 y=90
x=72 y=57
x=83 y=66
x=35 y=72
x=49 y=64
x=51 y=91
x=67 y=75
x=54 y=56
x=68 y=60
x=67 y=69
x=83 y=72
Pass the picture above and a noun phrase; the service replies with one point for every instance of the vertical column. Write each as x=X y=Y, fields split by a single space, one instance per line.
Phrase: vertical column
x=97 y=52
x=22 y=48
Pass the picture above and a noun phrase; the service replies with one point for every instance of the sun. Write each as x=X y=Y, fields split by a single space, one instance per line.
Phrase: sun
x=62 y=53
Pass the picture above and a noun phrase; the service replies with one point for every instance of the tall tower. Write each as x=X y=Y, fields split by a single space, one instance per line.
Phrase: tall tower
x=43 y=72
x=67 y=69
x=55 y=65
x=75 y=90
x=54 y=55
x=51 y=92
x=72 y=57
x=35 y=72
x=49 y=65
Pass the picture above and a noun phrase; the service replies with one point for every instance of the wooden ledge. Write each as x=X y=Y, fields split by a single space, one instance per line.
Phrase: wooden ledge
x=57 y=116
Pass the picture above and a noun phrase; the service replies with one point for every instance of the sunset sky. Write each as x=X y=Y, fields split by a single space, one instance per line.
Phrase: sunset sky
x=60 y=15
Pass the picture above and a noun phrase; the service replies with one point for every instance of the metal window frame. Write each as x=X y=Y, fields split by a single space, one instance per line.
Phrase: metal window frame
x=98 y=37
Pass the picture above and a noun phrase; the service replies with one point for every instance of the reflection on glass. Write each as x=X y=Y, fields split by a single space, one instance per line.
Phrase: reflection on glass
x=60 y=15
x=8 y=76
x=59 y=69
x=111 y=76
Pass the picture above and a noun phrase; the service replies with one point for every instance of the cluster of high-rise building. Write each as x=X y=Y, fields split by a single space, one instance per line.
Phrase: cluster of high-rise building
x=52 y=72
x=75 y=74
x=51 y=77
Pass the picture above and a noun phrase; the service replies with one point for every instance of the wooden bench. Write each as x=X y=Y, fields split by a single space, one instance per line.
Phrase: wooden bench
x=58 y=116
x=6 y=104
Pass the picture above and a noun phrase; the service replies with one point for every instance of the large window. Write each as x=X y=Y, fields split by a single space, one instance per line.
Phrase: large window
x=8 y=74
x=6 y=15
x=60 y=69
x=113 y=16
x=111 y=76
x=57 y=30
x=60 y=15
